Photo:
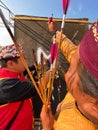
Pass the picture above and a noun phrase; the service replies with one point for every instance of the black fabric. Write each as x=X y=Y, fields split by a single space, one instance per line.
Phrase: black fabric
x=14 y=117
x=12 y=90
x=31 y=68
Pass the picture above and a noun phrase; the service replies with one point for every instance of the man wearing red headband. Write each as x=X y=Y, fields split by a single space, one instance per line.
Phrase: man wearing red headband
x=79 y=109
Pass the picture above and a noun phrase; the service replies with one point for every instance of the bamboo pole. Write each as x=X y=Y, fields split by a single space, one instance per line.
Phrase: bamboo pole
x=31 y=18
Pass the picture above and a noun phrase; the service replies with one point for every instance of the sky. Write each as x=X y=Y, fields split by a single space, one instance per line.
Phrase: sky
x=44 y=8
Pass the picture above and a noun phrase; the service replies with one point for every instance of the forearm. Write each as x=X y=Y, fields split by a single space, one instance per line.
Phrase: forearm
x=68 y=48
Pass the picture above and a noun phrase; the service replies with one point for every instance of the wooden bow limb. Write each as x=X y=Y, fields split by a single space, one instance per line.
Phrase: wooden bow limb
x=44 y=89
x=42 y=63
x=36 y=64
x=21 y=55
x=62 y=70
x=50 y=85
x=43 y=72
x=34 y=58
x=41 y=86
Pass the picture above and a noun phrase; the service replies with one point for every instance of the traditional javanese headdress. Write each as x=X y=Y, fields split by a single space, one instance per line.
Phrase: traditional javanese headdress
x=88 y=50
x=10 y=51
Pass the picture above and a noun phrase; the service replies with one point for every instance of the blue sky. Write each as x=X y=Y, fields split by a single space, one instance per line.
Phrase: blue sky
x=77 y=8
x=44 y=8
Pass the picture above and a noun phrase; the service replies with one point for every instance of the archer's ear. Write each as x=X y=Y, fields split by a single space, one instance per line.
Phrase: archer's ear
x=9 y=64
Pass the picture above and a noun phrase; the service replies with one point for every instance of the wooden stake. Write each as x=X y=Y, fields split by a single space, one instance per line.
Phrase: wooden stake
x=31 y=18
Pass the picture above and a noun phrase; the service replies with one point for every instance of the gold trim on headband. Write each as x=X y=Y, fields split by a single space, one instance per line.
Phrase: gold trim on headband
x=94 y=30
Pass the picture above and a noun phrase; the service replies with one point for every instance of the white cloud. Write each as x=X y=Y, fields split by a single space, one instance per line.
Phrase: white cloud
x=4 y=37
x=80 y=8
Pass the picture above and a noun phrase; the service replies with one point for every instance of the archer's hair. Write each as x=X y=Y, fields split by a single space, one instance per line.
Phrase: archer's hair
x=3 y=62
x=88 y=83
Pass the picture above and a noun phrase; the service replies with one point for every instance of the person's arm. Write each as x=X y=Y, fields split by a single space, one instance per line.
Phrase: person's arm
x=13 y=89
x=67 y=47
x=47 y=118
